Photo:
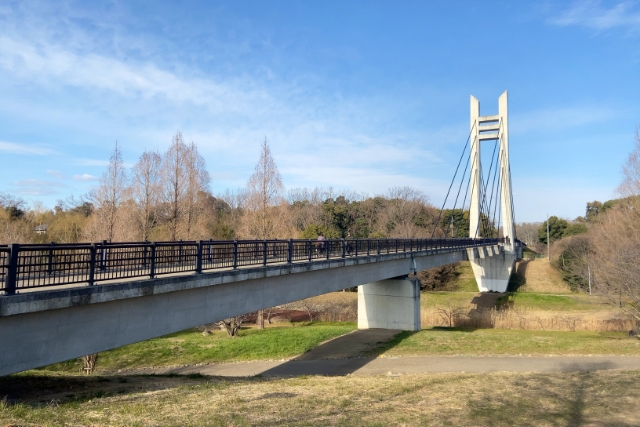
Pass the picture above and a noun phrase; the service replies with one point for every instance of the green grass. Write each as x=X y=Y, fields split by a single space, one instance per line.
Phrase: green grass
x=191 y=347
x=453 y=341
x=445 y=298
x=466 y=280
x=542 y=301
x=529 y=300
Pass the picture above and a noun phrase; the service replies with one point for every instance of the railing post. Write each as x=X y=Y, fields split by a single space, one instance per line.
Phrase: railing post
x=378 y=246
x=199 y=257
x=310 y=250
x=264 y=253
x=343 y=247
x=235 y=254
x=92 y=264
x=50 y=260
x=12 y=273
x=103 y=261
x=152 y=268
x=290 y=252
x=144 y=253
x=180 y=252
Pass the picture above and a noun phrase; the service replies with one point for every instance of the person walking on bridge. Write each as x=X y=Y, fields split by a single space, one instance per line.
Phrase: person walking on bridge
x=320 y=243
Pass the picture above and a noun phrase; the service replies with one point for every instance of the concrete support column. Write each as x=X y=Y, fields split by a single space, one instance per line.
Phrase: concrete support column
x=492 y=269
x=390 y=304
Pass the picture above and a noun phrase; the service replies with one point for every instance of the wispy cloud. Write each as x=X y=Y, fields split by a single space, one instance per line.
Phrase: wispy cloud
x=84 y=177
x=37 y=183
x=56 y=174
x=37 y=187
x=26 y=149
x=593 y=14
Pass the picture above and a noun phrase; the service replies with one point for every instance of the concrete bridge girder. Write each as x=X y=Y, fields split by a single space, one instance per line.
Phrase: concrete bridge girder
x=41 y=328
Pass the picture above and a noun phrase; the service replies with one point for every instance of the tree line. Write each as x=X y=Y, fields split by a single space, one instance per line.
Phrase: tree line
x=166 y=196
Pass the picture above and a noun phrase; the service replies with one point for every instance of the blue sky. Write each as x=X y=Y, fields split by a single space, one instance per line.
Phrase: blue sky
x=359 y=95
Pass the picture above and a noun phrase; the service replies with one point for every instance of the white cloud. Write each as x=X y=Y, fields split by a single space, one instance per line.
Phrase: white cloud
x=26 y=149
x=84 y=177
x=592 y=14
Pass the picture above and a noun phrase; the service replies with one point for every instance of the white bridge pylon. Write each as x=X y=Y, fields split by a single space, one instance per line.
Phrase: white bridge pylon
x=491 y=273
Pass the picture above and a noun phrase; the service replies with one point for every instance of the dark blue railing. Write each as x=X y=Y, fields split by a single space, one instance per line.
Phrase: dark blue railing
x=25 y=266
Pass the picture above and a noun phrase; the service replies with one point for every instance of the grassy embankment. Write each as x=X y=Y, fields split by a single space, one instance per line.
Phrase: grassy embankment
x=192 y=347
x=538 y=300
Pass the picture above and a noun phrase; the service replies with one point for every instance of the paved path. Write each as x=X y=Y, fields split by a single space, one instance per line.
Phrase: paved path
x=408 y=365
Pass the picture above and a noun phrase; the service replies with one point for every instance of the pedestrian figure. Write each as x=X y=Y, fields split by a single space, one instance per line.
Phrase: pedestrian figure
x=320 y=243
x=349 y=244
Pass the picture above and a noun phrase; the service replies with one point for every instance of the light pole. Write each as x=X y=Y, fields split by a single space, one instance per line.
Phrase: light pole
x=548 y=242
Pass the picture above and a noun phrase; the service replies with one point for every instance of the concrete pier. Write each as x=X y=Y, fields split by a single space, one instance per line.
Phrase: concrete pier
x=390 y=304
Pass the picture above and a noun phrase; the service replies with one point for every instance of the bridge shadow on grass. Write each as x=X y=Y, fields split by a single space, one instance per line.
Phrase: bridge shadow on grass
x=38 y=390
x=561 y=403
x=518 y=277
x=341 y=356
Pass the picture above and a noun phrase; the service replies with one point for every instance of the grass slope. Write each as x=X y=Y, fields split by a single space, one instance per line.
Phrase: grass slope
x=452 y=341
x=191 y=347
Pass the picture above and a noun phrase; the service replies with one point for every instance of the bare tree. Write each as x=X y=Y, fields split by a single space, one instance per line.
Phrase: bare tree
x=615 y=244
x=145 y=189
x=232 y=324
x=630 y=185
x=613 y=261
x=107 y=200
x=197 y=182
x=261 y=219
x=184 y=176
x=174 y=183
x=528 y=232
x=404 y=205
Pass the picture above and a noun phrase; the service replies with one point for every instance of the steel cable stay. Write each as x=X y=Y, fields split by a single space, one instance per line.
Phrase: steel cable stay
x=452 y=181
x=453 y=213
x=484 y=207
x=493 y=183
x=494 y=190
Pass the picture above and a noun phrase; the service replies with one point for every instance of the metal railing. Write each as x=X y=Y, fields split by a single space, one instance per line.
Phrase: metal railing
x=27 y=266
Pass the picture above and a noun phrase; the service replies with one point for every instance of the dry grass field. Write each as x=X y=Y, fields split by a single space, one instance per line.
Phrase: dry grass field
x=608 y=398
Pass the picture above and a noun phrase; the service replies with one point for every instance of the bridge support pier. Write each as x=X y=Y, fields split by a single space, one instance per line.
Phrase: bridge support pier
x=492 y=273
x=390 y=304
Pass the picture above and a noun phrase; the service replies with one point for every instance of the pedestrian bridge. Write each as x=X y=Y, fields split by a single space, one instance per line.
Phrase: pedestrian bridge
x=65 y=301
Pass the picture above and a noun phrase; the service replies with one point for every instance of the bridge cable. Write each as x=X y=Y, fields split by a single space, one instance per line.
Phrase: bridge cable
x=466 y=191
x=450 y=185
x=488 y=206
x=455 y=203
x=497 y=194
